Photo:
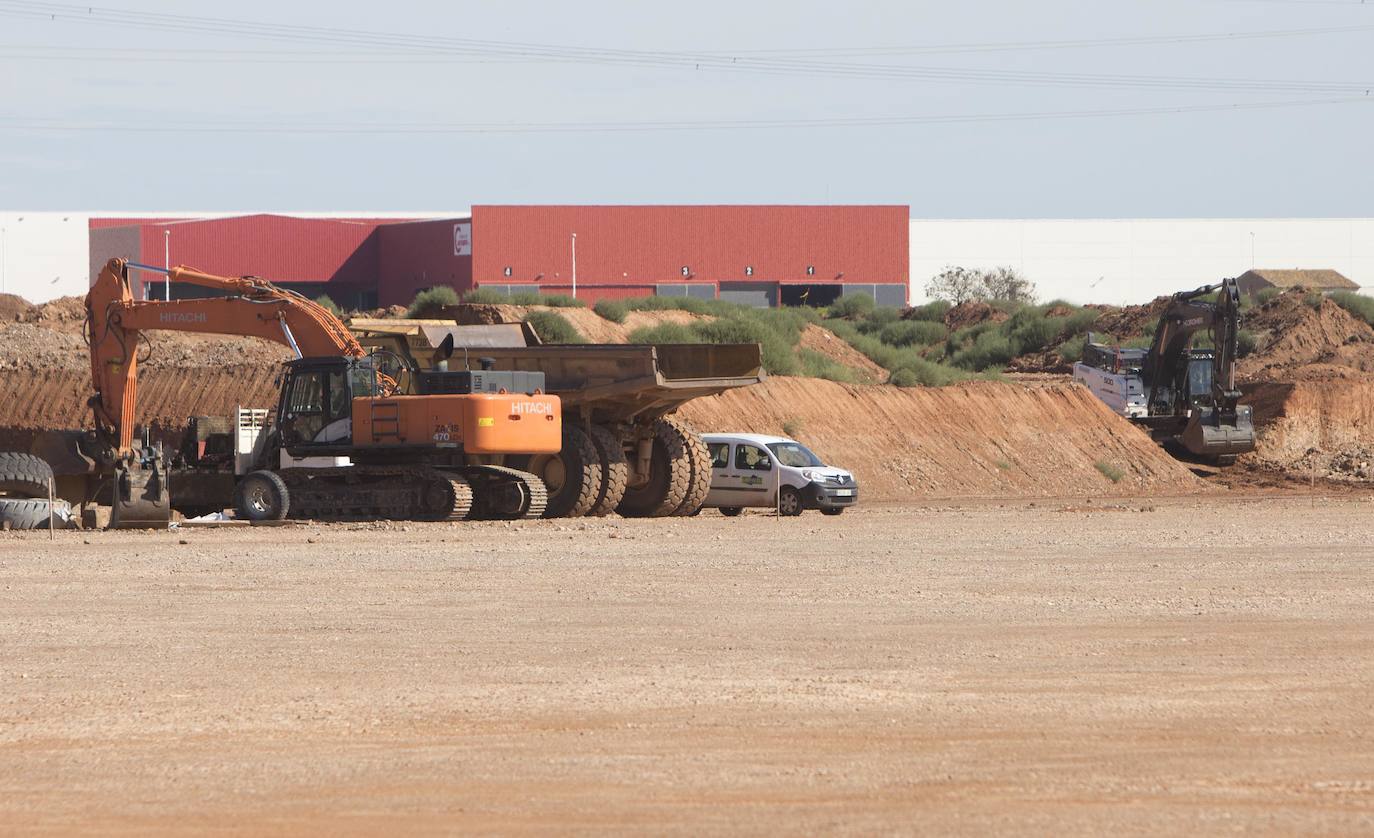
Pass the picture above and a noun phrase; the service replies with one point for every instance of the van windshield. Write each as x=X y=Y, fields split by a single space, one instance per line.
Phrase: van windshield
x=794 y=455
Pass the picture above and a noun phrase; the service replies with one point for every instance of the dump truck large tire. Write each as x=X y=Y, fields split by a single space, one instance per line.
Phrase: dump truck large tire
x=579 y=471
x=32 y=514
x=700 y=459
x=670 y=476
x=24 y=475
x=615 y=471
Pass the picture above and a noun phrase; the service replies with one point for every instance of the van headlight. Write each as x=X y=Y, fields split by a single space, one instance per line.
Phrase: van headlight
x=812 y=477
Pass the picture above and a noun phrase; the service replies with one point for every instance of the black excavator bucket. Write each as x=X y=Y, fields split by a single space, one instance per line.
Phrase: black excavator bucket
x=141 y=498
x=1208 y=436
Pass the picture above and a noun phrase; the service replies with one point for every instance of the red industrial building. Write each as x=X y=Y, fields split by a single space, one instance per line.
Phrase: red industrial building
x=760 y=255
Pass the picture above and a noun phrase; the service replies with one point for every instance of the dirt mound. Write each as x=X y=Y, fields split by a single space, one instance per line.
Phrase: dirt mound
x=991 y=439
x=1130 y=321
x=825 y=342
x=1313 y=425
x=14 y=308
x=167 y=396
x=66 y=314
x=971 y=313
x=1300 y=341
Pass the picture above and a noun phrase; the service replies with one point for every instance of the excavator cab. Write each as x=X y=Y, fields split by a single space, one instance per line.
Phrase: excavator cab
x=316 y=407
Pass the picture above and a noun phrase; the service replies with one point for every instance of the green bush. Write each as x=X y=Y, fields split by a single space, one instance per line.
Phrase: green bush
x=1071 y=350
x=612 y=310
x=1359 y=305
x=1313 y=299
x=486 y=296
x=1246 y=342
x=851 y=306
x=1109 y=471
x=882 y=315
x=778 y=357
x=561 y=301
x=922 y=373
x=791 y=427
x=665 y=333
x=816 y=365
x=933 y=311
x=553 y=327
x=328 y=302
x=991 y=349
x=913 y=333
x=691 y=304
x=428 y=302
x=1266 y=294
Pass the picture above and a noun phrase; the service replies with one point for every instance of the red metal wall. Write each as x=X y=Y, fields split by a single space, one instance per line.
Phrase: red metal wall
x=417 y=255
x=644 y=245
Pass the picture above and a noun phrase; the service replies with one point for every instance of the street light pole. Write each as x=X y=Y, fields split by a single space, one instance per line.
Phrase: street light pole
x=1252 y=250
x=167 y=263
x=574 y=255
x=2 y=260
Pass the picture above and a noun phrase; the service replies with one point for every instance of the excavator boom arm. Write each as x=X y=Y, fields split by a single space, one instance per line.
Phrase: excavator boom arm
x=255 y=308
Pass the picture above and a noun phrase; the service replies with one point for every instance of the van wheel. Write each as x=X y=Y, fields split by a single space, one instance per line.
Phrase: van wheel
x=262 y=496
x=731 y=511
x=789 y=502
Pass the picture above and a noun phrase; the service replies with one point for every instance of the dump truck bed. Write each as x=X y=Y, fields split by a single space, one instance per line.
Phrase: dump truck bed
x=604 y=382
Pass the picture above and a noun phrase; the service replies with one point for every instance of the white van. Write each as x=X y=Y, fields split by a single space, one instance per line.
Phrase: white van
x=774 y=471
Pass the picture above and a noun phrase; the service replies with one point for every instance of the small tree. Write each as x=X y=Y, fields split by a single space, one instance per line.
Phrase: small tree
x=1006 y=284
x=328 y=302
x=959 y=285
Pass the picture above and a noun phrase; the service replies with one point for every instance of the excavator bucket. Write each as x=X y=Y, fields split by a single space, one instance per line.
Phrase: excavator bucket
x=141 y=499
x=1205 y=436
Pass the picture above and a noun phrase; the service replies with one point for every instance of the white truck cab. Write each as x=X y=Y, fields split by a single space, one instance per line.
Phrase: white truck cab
x=774 y=472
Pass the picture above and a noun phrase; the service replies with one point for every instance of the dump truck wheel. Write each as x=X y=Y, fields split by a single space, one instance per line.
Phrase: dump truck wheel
x=24 y=475
x=670 y=476
x=572 y=476
x=615 y=471
x=32 y=514
x=700 y=459
x=262 y=496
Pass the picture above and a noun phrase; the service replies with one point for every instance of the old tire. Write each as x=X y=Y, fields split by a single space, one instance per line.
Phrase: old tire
x=700 y=459
x=789 y=502
x=24 y=475
x=615 y=471
x=670 y=476
x=262 y=496
x=731 y=511
x=572 y=476
x=32 y=514
x=833 y=510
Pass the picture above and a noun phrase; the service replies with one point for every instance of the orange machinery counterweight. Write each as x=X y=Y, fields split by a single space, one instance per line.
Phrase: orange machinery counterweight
x=479 y=423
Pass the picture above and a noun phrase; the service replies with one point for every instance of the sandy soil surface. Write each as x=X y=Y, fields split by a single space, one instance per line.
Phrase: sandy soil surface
x=1188 y=666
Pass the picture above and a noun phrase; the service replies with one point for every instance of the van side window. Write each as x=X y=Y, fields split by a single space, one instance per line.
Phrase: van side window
x=720 y=454
x=752 y=458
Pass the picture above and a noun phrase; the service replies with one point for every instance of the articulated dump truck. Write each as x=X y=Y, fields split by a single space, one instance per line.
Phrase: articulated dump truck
x=622 y=451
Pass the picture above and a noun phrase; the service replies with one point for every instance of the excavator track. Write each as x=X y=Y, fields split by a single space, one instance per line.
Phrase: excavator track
x=507 y=494
x=414 y=493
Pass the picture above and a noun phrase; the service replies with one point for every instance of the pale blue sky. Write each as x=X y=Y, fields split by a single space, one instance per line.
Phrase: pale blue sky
x=63 y=83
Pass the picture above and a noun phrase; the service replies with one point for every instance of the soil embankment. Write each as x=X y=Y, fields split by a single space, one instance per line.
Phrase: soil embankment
x=979 y=439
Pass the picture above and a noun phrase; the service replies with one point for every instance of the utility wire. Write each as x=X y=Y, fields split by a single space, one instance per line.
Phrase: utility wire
x=703 y=61
x=144 y=125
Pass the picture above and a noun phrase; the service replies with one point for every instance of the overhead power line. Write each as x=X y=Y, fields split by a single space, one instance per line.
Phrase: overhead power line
x=427 y=47
x=145 y=125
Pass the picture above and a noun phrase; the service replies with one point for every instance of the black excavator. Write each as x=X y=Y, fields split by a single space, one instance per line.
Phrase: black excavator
x=1185 y=397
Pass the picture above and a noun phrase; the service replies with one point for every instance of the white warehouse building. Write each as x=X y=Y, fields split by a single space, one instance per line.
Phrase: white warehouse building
x=1124 y=261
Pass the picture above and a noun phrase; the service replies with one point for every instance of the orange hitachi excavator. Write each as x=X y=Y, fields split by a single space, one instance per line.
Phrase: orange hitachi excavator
x=347 y=441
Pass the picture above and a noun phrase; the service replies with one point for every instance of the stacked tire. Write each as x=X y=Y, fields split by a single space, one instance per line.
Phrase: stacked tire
x=24 y=483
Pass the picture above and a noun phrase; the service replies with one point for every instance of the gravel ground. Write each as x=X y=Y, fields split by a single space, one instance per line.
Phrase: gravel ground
x=1180 y=666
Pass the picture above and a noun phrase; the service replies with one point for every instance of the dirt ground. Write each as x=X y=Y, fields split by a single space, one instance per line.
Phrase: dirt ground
x=1195 y=665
